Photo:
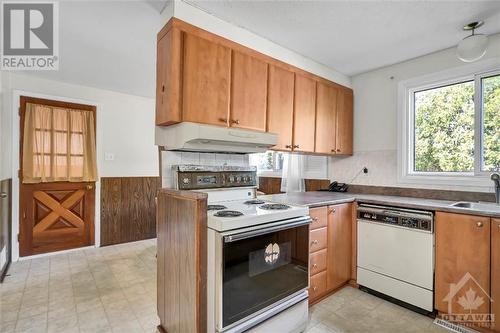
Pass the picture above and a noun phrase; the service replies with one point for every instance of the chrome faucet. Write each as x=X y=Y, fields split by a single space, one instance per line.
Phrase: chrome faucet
x=495 y=177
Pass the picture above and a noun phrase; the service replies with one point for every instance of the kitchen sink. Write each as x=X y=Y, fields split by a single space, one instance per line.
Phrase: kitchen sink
x=487 y=207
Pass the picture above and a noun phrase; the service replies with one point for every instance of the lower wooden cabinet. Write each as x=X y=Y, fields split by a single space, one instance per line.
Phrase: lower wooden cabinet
x=462 y=260
x=495 y=271
x=330 y=249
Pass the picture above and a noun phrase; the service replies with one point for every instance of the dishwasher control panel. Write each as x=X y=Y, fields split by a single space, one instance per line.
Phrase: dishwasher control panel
x=407 y=218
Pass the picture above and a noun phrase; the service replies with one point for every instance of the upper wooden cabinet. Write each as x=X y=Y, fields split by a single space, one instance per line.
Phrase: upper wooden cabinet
x=280 y=106
x=248 y=92
x=206 y=75
x=304 y=114
x=344 y=135
x=495 y=271
x=326 y=118
x=462 y=248
x=207 y=79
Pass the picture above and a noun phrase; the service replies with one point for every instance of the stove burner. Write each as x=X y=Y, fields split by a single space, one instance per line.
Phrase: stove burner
x=228 y=213
x=254 y=202
x=274 y=207
x=216 y=207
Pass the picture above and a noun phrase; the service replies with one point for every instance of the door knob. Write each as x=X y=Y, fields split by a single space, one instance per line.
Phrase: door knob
x=89 y=187
x=3 y=195
x=479 y=224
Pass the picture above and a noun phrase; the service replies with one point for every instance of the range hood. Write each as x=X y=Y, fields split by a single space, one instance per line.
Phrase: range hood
x=187 y=136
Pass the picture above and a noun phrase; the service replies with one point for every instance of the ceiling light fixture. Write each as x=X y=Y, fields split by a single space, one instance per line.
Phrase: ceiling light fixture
x=472 y=47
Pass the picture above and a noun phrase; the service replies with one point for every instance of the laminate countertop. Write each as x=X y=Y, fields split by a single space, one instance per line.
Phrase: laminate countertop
x=320 y=198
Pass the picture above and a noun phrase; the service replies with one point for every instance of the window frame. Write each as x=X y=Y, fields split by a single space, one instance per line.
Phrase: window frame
x=406 y=125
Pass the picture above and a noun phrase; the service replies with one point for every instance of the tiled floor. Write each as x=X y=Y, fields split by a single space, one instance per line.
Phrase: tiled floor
x=113 y=289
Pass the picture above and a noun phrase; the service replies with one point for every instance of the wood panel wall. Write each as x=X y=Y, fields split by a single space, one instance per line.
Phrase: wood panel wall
x=128 y=209
x=272 y=185
x=5 y=223
x=182 y=261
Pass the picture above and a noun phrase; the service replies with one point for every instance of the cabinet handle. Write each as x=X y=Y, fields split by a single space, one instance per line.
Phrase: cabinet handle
x=223 y=120
x=315 y=288
x=315 y=266
x=295 y=146
x=479 y=224
x=332 y=210
x=162 y=88
x=333 y=150
x=3 y=195
x=338 y=150
x=89 y=187
x=288 y=146
x=315 y=219
x=315 y=242
x=236 y=121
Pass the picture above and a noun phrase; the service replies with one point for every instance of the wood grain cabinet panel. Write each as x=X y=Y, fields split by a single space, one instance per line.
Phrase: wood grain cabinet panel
x=317 y=239
x=319 y=217
x=317 y=261
x=462 y=248
x=317 y=286
x=339 y=245
x=304 y=114
x=326 y=118
x=248 y=92
x=495 y=272
x=344 y=135
x=280 y=106
x=168 y=78
x=206 y=76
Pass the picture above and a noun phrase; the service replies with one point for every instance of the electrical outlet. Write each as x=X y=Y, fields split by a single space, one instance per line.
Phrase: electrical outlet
x=109 y=156
x=365 y=170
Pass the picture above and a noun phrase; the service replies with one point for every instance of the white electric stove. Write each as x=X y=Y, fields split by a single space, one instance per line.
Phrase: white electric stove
x=258 y=256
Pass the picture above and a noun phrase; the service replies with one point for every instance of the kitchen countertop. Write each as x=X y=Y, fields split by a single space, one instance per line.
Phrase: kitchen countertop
x=320 y=198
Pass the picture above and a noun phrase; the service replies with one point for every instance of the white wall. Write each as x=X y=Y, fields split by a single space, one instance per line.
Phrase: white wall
x=204 y=20
x=375 y=118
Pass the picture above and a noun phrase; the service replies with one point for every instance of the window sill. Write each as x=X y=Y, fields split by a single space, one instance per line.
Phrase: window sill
x=446 y=180
x=270 y=174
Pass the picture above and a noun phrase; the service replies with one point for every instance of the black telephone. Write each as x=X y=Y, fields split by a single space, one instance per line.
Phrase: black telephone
x=338 y=187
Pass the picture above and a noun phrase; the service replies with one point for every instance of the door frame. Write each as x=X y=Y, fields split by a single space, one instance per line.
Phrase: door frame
x=16 y=137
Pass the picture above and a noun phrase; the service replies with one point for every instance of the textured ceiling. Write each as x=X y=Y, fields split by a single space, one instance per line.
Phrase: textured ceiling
x=358 y=36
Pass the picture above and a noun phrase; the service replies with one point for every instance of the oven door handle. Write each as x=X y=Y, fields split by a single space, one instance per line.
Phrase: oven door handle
x=253 y=233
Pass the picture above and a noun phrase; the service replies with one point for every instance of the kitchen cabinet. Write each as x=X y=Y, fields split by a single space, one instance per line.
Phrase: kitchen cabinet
x=304 y=114
x=462 y=246
x=344 y=126
x=495 y=271
x=205 y=77
x=280 y=106
x=326 y=118
x=339 y=245
x=248 y=92
x=330 y=249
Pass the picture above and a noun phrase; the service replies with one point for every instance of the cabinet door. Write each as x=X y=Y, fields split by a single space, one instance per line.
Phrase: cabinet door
x=339 y=245
x=280 y=106
x=304 y=115
x=495 y=271
x=206 y=75
x=344 y=122
x=462 y=259
x=248 y=92
x=326 y=118
x=168 y=78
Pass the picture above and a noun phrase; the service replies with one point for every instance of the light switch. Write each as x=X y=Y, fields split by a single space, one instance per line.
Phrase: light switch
x=109 y=156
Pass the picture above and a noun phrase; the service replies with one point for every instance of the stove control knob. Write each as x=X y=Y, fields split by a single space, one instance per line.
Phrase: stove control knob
x=238 y=179
x=231 y=179
x=185 y=180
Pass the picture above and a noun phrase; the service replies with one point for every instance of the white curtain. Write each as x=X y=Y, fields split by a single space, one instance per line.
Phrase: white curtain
x=292 y=177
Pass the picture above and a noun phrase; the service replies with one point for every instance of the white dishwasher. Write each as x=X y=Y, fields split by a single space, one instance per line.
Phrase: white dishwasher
x=396 y=253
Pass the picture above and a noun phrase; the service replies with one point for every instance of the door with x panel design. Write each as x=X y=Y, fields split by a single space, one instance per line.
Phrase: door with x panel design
x=57 y=200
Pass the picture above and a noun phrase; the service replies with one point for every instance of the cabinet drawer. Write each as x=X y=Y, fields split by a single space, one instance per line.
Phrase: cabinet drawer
x=317 y=239
x=319 y=217
x=317 y=262
x=317 y=286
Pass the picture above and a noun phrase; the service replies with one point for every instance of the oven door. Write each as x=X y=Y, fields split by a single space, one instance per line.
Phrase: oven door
x=261 y=268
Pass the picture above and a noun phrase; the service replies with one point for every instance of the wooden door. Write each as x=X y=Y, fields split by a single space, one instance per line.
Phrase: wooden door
x=54 y=216
x=248 y=92
x=339 y=245
x=304 y=114
x=206 y=75
x=463 y=260
x=168 y=78
x=280 y=106
x=495 y=272
x=326 y=118
x=344 y=135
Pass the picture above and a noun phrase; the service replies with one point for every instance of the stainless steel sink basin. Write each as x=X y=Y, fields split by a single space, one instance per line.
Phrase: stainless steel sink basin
x=487 y=207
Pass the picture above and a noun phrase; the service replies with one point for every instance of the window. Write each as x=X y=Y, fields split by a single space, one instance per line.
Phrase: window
x=450 y=128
